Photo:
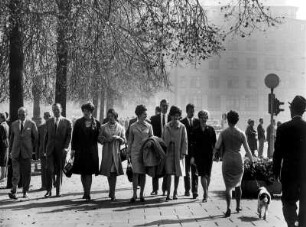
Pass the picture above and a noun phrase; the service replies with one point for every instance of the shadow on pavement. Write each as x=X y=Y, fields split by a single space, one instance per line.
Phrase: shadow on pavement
x=61 y=205
x=180 y=221
x=248 y=219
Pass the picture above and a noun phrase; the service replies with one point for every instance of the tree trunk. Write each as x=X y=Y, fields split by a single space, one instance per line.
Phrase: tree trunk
x=36 y=103
x=62 y=54
x=95 y=101
x=109 y=99
x=102 y=103
x=16 y=59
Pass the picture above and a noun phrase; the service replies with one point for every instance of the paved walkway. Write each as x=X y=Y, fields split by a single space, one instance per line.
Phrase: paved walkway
x=71 y=210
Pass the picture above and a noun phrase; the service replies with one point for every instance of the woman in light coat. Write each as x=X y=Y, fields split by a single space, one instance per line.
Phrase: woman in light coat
x=112 y=135
x=175 y=137
x=140 y=131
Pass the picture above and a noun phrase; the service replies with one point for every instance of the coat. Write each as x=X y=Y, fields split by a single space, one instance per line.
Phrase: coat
x=58 y=141
x=110 y=152
x=251 y=137
x=190 y=131
x=85 y=144
x=4 y=143
x=154 y=156
x=23 y=143
x=156 y=124
x=178 y=137
x=41 y=139
x=289 y=158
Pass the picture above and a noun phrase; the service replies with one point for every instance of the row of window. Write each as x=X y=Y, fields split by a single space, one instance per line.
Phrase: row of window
x=214 y=82
x=213 y=102
x=252 y=63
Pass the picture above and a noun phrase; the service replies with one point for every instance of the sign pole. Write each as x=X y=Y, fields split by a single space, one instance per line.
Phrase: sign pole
x=271 y=139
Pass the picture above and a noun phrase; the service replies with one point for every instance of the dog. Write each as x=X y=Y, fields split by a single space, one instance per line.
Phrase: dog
x=264 y=200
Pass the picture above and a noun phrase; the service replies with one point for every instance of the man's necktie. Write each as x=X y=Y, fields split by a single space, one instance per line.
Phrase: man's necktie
x=56 y=124
x=190 y=122
x=163 y=122
x=21 y=127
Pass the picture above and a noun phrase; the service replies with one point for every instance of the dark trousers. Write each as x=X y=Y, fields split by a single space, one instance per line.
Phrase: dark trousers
x=86 y=180
x=155 y=184
x=112 y=179
x=10 y=176
x=21 y=165
x=43 y=164
x=292 y=192
x=194 y=177
x=55 y=165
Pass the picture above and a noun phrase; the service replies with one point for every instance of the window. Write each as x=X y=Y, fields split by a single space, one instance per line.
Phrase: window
x=183 y=81
x=233 y=45
x=270 y=63
x=270 y=45
x=195 y=82
x=214 y=64
x=214 y=102
x=214 y=82
x=251 y=82
x=233 y=82
x=251 y=102
x=233 y=102
x=232 y=63
x=251 y=63
x=251 y=45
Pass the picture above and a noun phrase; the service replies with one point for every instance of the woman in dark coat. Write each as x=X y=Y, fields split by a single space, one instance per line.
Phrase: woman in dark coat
x=84 y=147
x=4 y=144
x=202 y=152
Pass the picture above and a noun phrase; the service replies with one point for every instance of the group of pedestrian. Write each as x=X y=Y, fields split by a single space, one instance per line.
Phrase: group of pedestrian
x=257 y=138
x=165 y=146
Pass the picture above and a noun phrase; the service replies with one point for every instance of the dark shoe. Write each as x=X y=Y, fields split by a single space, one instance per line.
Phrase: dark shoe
x=194 y=196
x=228 y=213
x=142 y=200
x=164 y=193
x=58 y=195
x=113 y=199
x=12 y=195
x=132 y=200
x=187 y=193
x=174 y=197
x=25 y=195
x=154 y=193
x=168 y=199
x=238 y=209
x=48 y=194
x=204 y=200
x=87 y=198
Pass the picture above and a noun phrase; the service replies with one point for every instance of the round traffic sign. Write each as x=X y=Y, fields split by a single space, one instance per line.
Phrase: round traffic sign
x=272 y=80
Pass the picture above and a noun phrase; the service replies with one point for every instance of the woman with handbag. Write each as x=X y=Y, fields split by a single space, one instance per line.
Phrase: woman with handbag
x=111 y=135
x=175 y=137
x=139 y=132
x=84 y=147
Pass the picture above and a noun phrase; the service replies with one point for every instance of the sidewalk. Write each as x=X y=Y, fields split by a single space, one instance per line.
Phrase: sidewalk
x=71 y=210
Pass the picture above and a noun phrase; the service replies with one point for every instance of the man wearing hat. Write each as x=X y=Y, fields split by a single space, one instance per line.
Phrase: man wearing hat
x=289 y=163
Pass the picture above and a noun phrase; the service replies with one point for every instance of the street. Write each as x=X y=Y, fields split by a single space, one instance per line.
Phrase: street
x=71 y=210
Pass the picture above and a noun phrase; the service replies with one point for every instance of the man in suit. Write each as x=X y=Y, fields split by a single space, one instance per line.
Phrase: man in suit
x=23 y=142
x=158 y=122
x=261 y=137
x=58 y=137
x=190 y=123
x=41 y=153
x=289 y=160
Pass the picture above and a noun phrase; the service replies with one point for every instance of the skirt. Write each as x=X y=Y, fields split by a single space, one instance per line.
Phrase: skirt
x=232 y=169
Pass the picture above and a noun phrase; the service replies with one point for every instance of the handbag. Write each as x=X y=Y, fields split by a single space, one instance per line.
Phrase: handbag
x=68 y=167
x=129 y=171
x=123 y=152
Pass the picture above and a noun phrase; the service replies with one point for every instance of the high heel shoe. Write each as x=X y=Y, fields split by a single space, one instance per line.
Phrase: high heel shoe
x=228 y=213
x=238 y=209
